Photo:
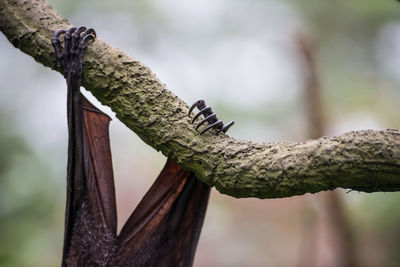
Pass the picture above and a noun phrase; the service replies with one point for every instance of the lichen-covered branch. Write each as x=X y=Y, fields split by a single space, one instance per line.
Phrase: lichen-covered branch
x=365 y=160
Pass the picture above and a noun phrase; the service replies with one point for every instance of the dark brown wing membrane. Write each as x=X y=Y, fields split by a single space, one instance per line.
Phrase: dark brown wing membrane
x=91 y=217
x=99 y=169
x=165 y=227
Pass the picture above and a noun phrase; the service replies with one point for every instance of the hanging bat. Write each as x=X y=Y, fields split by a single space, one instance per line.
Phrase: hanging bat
x=165 y=227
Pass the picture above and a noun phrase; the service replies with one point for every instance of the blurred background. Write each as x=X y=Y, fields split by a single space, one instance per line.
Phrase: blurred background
x=284 y=70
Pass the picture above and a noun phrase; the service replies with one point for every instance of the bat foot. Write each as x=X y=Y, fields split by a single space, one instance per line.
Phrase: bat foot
x=210 y=117
x=75 y=43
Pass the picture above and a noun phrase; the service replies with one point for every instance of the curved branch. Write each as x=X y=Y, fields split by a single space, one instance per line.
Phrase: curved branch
x=364 y=160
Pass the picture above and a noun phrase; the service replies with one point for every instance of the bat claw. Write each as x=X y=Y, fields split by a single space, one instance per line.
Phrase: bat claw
x=209 y=116
x=75 y=43
x=90 y=31
x=55 y=41
x=216 y=124
x=226 y=127
x=56 y=35
x=75 y=39
x=200 y=104
x=206 y=109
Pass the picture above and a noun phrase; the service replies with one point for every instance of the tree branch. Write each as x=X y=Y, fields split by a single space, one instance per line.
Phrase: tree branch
x=364 y=160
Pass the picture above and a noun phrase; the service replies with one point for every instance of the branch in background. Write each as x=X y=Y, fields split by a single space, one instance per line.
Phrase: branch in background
x=341 y=241
x=364 y=160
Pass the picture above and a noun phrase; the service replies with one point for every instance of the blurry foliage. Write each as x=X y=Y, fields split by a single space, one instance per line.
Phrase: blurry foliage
x=339 y=18
x=346 y=33
x=30 y=223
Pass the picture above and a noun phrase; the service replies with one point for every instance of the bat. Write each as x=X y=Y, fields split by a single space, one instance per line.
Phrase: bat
x=165 y=227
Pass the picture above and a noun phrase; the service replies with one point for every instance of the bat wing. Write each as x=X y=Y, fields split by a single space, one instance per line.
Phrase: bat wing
x=91 y=215
x=165 y=227
x=98 y=166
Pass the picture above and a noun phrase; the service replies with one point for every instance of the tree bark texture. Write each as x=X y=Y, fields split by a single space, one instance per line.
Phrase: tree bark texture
x=364 y=160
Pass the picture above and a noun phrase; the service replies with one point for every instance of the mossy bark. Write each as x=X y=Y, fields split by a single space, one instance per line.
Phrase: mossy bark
x=364 y=160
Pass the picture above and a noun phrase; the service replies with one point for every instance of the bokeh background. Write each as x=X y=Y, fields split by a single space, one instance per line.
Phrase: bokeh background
x=245 y=59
